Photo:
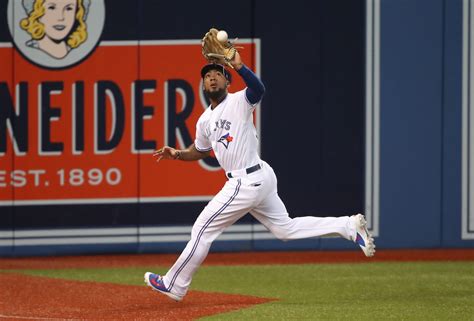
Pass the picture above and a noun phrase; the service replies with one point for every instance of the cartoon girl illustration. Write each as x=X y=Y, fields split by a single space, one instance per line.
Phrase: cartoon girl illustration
x=56 y=26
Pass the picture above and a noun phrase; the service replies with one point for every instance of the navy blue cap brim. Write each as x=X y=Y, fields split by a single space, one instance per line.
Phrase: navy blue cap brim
x=217 y=67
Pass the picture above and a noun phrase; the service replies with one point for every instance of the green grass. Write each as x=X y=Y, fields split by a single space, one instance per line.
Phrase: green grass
x=372 y=291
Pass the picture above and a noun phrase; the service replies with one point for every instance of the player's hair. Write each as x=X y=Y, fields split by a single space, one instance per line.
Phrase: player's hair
x=35 y=28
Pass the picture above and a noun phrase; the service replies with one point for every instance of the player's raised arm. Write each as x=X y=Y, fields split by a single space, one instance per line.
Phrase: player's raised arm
x=255 y=88
x=188 y=154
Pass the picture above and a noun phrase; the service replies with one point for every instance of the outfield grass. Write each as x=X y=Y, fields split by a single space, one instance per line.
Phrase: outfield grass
x=364 y=291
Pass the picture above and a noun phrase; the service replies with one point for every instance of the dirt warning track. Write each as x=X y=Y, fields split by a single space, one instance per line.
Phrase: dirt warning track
x=293 y=257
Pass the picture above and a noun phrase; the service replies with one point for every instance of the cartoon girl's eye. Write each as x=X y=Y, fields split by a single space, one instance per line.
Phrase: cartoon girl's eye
x=51 y=7
x=70 y=8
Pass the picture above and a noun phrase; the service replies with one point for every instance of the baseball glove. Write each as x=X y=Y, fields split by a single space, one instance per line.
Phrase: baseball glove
x=215 y=51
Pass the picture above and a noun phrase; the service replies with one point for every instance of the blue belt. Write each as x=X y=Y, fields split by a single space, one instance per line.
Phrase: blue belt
x=247 y=170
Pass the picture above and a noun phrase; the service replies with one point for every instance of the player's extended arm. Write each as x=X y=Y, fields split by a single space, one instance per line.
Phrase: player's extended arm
x=188 y=154
x=255 y=88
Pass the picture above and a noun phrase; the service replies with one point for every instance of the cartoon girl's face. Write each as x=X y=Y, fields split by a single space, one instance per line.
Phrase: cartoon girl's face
x=58 y=18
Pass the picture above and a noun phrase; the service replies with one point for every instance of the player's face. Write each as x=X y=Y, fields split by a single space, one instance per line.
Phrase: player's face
x=215 y=84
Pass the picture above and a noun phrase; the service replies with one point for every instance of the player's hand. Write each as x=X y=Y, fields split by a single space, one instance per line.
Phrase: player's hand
x=165 y=152
x=237 y=62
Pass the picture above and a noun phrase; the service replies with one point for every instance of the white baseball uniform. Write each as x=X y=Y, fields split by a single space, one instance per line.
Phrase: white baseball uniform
x=228 y=129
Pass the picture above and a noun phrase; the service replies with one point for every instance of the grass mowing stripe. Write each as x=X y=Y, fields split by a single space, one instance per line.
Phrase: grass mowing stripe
x=372 y=291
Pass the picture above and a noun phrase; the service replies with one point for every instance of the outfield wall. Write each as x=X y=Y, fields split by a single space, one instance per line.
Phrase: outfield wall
x=376 y=118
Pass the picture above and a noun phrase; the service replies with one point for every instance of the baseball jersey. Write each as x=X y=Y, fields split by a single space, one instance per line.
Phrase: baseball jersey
x=228 y=129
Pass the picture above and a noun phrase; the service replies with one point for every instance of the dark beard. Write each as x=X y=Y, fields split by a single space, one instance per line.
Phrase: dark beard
x=216 y=95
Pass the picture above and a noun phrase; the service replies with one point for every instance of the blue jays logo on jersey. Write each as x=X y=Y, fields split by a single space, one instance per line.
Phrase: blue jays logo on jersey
x=225 y=140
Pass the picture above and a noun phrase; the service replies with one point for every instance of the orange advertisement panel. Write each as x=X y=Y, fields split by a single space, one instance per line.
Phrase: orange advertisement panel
x=87 y=133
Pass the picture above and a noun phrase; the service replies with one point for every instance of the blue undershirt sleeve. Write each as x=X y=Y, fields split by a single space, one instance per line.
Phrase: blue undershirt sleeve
x=255 y=87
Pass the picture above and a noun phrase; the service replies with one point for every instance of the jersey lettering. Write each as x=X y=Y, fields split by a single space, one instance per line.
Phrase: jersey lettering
x=222 y=123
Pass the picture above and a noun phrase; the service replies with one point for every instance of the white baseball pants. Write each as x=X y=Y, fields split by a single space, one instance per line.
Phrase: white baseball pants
x=254 y=193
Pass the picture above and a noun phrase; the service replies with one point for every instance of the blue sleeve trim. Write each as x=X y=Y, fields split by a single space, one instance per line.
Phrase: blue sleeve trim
x=255 y=87
x=202 y=150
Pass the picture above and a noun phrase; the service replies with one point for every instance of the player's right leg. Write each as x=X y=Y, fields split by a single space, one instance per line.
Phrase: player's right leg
x=230 y=204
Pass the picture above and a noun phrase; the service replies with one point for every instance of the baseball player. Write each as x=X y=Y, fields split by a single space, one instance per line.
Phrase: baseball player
x=227 y=128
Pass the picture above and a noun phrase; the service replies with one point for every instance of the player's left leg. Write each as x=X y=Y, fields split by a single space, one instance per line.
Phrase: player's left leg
x=272 y=213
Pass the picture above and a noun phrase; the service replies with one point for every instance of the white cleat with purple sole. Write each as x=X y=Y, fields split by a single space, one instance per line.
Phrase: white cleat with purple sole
x=362 y=237
x=155 y=281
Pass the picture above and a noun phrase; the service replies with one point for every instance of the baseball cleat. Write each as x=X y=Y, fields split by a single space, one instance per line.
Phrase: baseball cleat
x=155 y=281
x=363 y=237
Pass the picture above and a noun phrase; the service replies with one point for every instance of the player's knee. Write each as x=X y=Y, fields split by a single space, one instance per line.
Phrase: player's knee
x=204 y=234
x=281 y=233
x=195 y=231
